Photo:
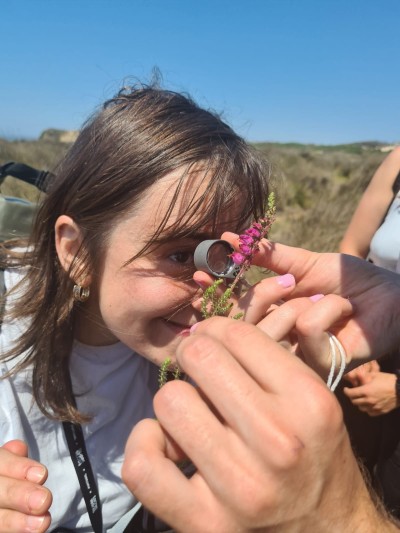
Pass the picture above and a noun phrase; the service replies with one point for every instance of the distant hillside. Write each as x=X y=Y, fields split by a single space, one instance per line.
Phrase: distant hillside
x=317 y=186
x=59 y=136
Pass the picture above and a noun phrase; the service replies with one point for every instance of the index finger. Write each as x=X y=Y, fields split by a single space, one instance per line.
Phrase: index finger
x=268 y=363
x=314 y=272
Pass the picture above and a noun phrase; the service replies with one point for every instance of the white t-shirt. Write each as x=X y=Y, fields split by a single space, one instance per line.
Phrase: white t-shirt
x=385 y=244
x=114 y=385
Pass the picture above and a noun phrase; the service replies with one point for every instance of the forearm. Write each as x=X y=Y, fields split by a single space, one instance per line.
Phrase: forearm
x=349 y=245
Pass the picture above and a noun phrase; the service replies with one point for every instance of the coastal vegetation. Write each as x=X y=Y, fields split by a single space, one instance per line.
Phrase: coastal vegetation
x=317 y=187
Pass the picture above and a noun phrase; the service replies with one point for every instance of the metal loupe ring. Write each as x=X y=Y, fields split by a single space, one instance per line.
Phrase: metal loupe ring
x=213 y=256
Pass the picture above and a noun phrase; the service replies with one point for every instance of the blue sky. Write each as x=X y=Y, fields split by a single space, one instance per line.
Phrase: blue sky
x=319 y=71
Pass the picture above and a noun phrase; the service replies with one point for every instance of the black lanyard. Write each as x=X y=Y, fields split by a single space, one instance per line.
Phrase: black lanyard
x=81 y=462
x=142 y=522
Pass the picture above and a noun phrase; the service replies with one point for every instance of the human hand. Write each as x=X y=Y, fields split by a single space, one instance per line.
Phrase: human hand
x=266 y=435
x=362 y=374
x=376 y=394
x=301 y=323
x=24 y=503
x=374 y=293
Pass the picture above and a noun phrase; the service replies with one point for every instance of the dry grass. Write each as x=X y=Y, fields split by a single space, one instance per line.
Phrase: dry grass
x=317 y=192
x=317 y=187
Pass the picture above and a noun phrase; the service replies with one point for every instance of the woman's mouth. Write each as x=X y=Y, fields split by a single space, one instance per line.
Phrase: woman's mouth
x=178 y=329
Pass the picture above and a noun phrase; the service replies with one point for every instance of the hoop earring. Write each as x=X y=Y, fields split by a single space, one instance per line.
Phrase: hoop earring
x=80 y=294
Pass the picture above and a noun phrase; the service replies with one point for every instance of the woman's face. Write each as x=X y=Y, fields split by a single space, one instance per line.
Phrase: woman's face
x=146 y=304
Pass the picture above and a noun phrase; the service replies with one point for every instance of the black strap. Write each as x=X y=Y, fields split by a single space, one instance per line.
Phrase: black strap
x=38 y=178
x=142 y=522
x=80 y=459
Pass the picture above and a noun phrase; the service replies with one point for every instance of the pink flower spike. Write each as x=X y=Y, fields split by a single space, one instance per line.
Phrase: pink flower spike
x=246 y=250
x=246 y=239
x=238 y=258
x=257 y=225
x=253 y=232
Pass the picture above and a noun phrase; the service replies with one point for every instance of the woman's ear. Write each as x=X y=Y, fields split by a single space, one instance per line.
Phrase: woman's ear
x=68 y=240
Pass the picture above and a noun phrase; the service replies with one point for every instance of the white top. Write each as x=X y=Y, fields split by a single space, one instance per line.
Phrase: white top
x=385 y=244
x=117 y=387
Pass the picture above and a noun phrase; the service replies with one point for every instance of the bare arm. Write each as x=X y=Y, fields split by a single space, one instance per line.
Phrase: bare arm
x=371 y=208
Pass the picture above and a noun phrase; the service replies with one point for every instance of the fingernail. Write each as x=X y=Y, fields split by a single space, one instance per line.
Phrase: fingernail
x=34 y=523
x=36 y=499
x=36 y=474
x=200 y=284
x=194 y=327
x=316 y=297
x=286 y=281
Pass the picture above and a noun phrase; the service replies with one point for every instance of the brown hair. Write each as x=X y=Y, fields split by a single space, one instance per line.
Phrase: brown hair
x=137 y=137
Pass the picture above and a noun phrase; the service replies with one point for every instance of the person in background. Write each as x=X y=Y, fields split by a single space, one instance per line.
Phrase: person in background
x=374 y=234
x=374 y=230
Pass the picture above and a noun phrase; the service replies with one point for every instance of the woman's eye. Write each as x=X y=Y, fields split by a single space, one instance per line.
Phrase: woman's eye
x=182 y=257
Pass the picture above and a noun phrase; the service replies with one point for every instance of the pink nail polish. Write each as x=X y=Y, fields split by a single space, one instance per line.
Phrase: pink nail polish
x=286 y=281
x=193 y=328
x=316 y=297
x=200 y=284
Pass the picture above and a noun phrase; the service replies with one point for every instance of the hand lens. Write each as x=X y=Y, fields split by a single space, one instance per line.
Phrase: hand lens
x=213 y=257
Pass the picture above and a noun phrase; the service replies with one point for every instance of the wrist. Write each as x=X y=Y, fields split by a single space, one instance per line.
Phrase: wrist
x=349 y=504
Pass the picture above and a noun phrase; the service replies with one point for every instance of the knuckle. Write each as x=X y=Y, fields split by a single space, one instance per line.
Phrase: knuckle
x=293 y=309
x=252 y=499
x=290 y=453
x=322 y=408
x=136 y=470
x=307 y=324
x=256 y=508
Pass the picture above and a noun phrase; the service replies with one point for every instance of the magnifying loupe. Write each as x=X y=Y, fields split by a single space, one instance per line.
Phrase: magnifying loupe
x=213 y=256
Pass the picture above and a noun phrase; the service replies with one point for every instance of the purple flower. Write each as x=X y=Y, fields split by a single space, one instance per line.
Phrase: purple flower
x=253 y=232
x=246 y=239
x=238 y=258
x=245 y=249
